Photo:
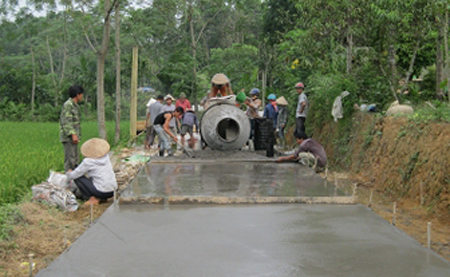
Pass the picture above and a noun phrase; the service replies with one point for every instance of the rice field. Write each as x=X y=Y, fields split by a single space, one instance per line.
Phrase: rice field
x=29 y=150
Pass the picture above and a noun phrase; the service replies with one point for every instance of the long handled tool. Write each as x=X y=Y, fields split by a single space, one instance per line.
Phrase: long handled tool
x=189 y=152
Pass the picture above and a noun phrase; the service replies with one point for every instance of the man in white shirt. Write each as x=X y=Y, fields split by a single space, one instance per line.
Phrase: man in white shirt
x=302 y=109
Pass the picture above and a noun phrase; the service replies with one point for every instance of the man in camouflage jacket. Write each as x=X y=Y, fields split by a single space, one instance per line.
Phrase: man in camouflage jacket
x=69 y=127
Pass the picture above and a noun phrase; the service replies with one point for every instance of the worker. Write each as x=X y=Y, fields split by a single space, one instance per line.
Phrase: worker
x=69 y=127
x=95 y=176
x=253 y=104
x=189 y=120
x=302 y=109
x=170 y=107
x=220 y=85
x=271 y=110
x=153 y=110
x=309 y=153
x=162 y=127
x=183 y=102
x=282 y=119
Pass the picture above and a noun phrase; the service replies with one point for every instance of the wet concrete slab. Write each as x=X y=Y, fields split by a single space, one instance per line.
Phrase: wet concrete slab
x=245 y=240
x=212 y=181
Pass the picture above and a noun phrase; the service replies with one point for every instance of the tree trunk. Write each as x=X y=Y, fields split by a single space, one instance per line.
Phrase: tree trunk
x=52 y=71
x=101 y=57
x=33 y=83
x=118 y=73
x=439 y=59
x=194 y=55
x=349 y=51
x=447 y=58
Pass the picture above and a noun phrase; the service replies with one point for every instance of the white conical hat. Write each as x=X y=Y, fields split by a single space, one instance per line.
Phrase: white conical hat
x=95 y=148
x=282 y=101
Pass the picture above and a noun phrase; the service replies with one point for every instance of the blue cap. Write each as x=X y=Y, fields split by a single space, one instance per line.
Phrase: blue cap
x=254 y=91
x=272 y=97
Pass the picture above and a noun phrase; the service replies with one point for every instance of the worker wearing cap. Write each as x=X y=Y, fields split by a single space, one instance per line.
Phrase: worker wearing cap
x=170 y=107
x=271 y=110
x=302 y=109
x=95 y=176
x=253 y=104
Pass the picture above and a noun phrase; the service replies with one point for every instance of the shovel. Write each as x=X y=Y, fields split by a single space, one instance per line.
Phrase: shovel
x=189 y=152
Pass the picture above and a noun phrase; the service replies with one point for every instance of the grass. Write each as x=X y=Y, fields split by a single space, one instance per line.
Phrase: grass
x=28 y=150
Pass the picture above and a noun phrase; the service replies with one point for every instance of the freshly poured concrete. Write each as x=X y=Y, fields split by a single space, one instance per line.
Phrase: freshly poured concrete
x=245 y=240
x=238 y=182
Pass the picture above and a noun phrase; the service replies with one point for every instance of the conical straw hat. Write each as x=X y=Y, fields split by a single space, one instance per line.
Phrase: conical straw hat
x=220 y=79
x=282 y=101
x=95 y=148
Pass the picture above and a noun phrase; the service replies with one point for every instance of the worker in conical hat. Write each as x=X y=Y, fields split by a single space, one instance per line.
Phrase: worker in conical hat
x=220 y=84
x=95 y=176
x=282 y=119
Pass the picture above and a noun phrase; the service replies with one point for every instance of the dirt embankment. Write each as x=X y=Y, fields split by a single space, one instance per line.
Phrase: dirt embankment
x=400 y=158
x=398 y=161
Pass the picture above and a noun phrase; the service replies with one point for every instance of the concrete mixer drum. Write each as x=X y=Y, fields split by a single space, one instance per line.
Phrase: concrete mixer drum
x=225 y=127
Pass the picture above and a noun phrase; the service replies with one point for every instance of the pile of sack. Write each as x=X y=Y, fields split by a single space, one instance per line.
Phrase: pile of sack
x=56 y=191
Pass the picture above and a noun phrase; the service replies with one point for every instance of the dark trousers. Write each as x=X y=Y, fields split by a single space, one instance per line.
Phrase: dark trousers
x=150 y=135
x=88 y=189
x=71 y=155
x=300 y=125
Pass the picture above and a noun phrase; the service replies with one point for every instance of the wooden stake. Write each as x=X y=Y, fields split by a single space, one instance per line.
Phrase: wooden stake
x=335 y=180
x=370 y=198
x=421 y=193
x=92 y=213
x=393 y=214
x=429 y=235
x=30 y=261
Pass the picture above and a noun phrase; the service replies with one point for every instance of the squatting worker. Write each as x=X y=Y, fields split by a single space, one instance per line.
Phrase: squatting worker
x=302 y=109
x=309 y=153
x=162 y=127
x=220 y=86
x=69 y=127
x=95 y=176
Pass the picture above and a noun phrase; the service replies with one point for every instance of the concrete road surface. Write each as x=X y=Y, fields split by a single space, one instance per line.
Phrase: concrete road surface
x=245 y=240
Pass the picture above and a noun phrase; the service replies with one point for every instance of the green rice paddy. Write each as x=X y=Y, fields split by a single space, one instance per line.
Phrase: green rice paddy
x=29 y=150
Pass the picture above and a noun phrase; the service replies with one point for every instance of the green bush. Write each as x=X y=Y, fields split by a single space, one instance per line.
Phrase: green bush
x=9 y=215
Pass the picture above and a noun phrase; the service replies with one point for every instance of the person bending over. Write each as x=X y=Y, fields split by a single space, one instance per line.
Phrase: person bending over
x=309 y=153
x=162 y=128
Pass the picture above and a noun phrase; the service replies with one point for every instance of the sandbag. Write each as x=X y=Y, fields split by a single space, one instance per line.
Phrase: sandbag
x=55 y=196
x=399 y=109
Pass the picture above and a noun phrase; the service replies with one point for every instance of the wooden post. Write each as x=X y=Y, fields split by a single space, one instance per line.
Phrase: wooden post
x=393 y=213
x=133 y=98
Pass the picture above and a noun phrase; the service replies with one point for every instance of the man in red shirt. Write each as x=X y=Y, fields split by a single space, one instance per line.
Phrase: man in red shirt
x=183 y=102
